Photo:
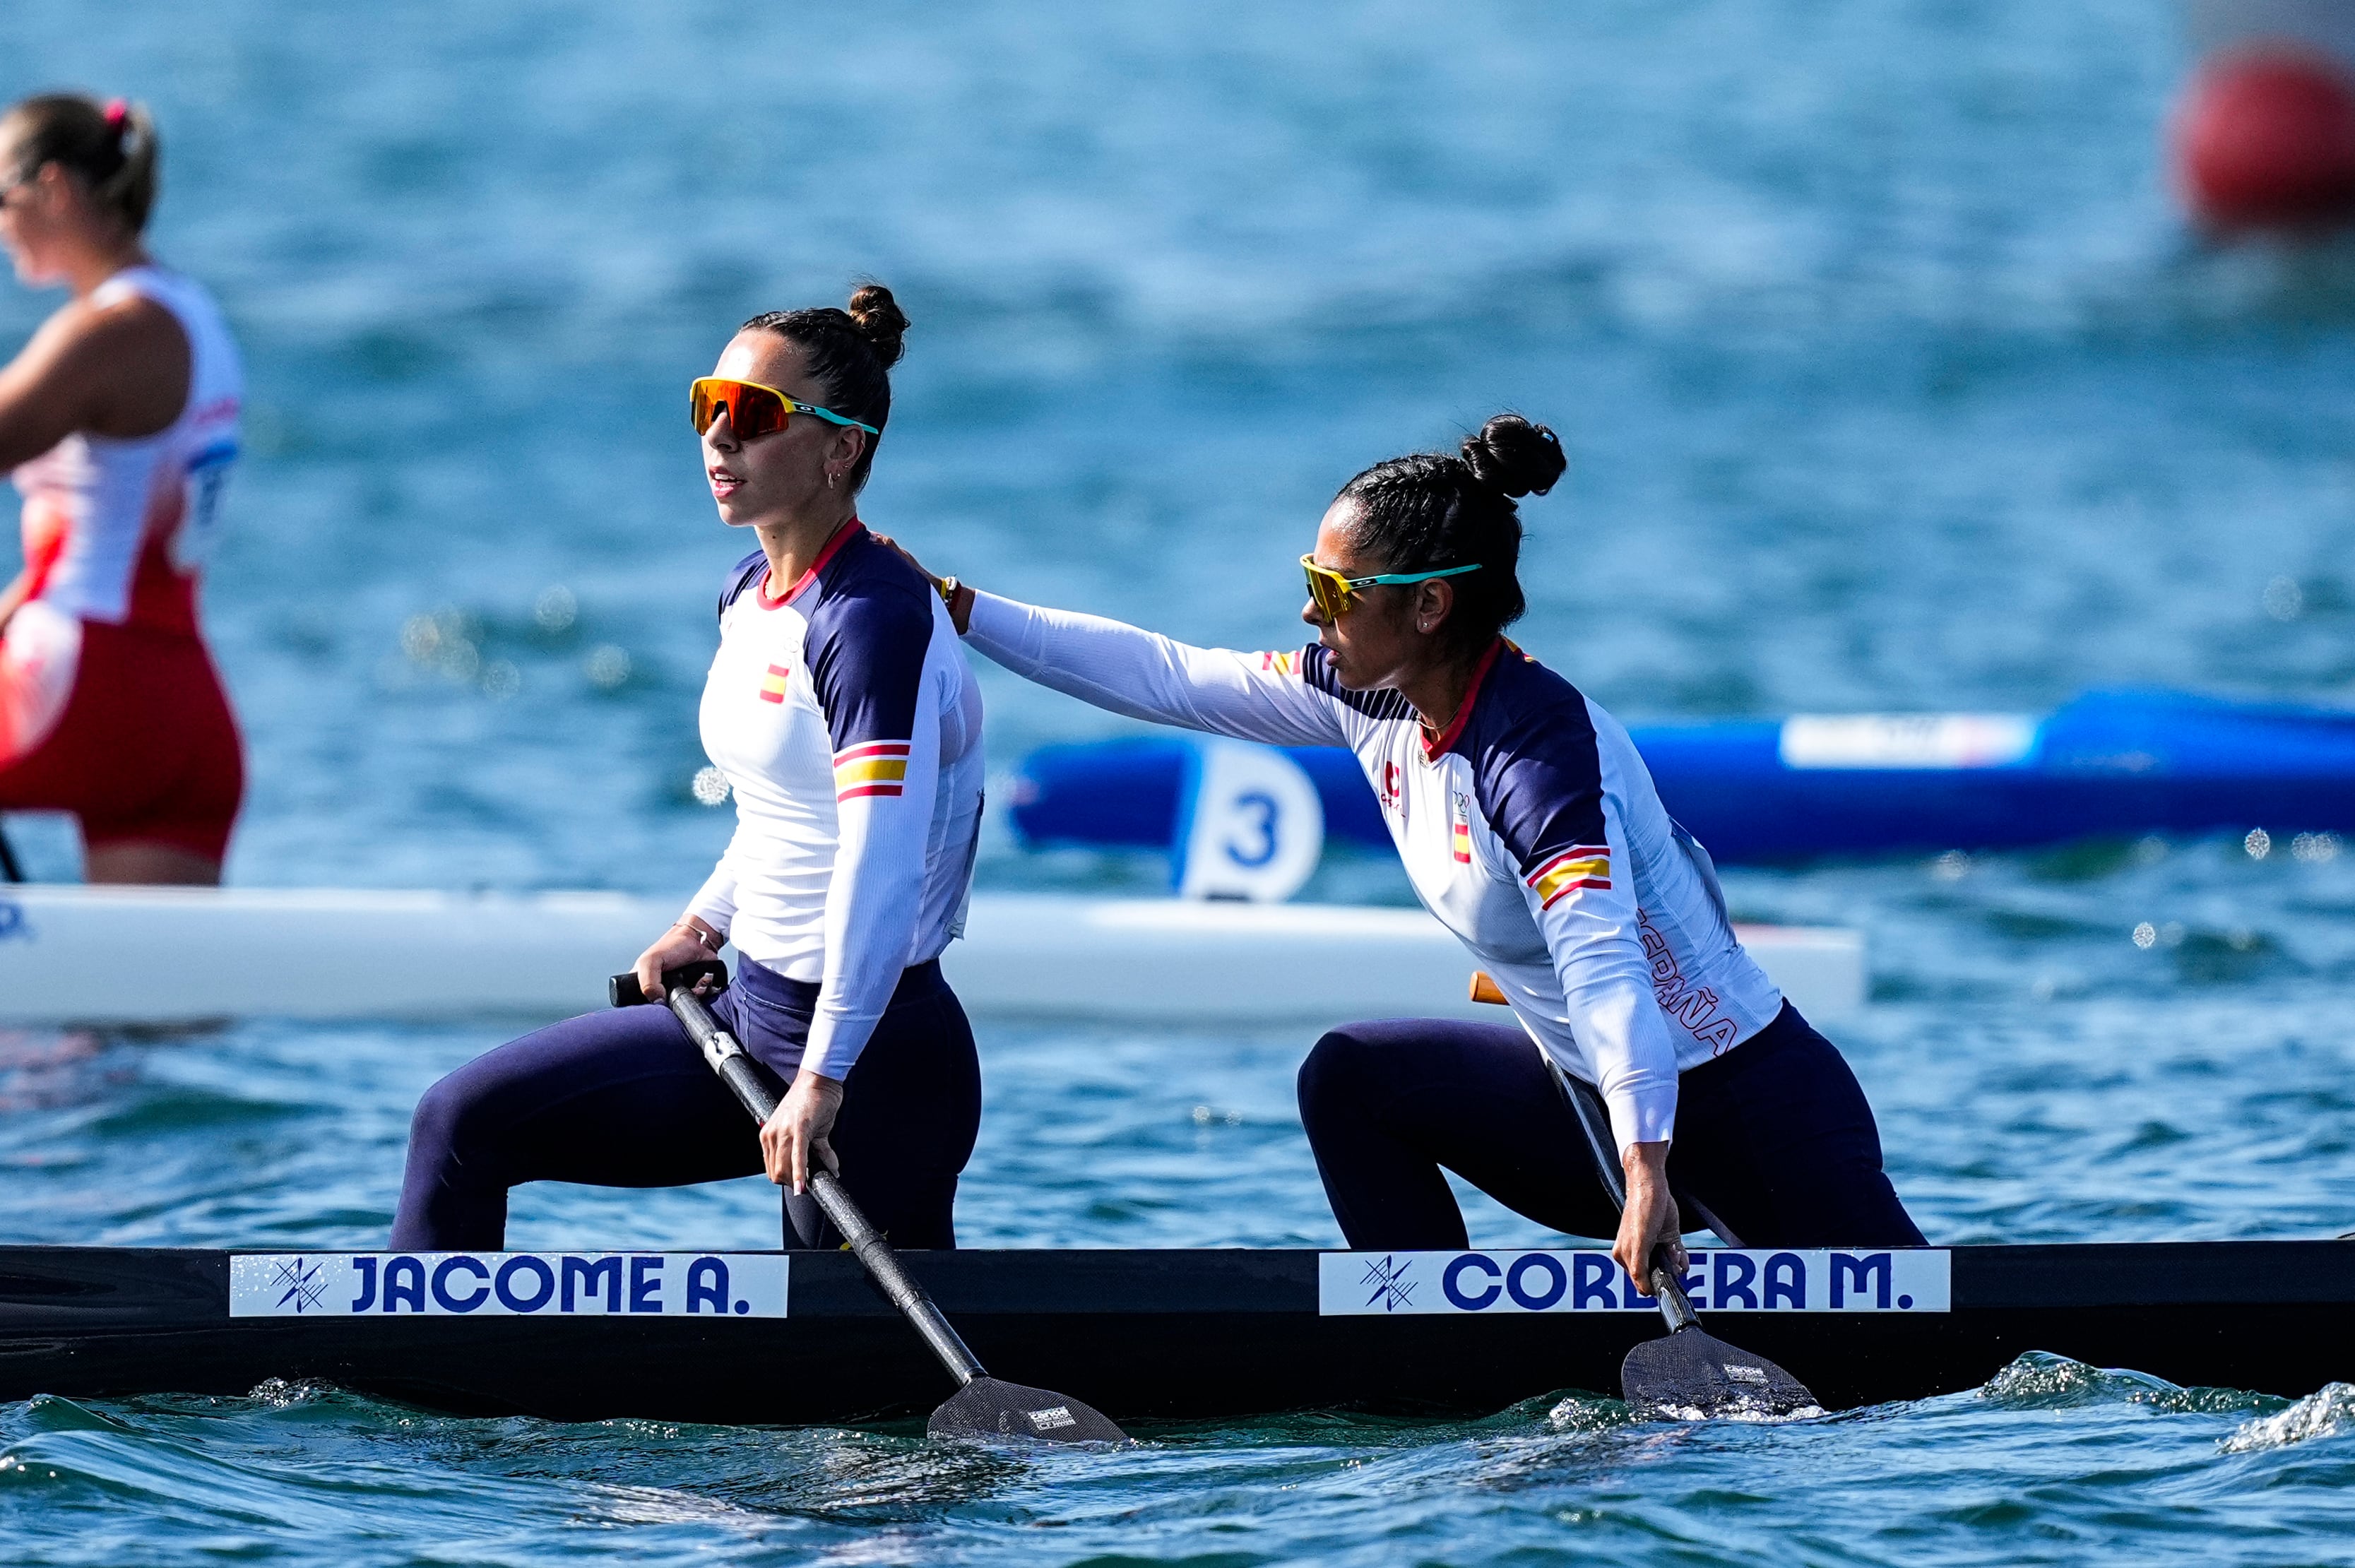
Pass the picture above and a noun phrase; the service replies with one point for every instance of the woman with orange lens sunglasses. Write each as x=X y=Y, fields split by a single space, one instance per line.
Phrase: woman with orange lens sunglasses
x=841 y=712
x=1531 y=829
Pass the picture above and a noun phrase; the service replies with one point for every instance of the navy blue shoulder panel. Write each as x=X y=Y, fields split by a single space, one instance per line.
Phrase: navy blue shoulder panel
x=1536 y=771
x=1317 y=669
x=742 y=575
x=869 y=628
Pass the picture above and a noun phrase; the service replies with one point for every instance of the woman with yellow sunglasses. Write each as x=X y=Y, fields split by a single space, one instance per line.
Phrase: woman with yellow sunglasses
x=841 y=712
x=1530 y=828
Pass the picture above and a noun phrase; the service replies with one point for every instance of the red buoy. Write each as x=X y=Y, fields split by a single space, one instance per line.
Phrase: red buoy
x=2266 y=139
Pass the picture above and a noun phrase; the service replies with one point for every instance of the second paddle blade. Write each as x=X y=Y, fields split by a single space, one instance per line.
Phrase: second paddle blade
x=989 y=1408
x=1692 y=1376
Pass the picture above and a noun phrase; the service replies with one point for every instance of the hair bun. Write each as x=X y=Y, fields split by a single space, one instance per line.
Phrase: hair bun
x=1514 y=456
x=880 y=321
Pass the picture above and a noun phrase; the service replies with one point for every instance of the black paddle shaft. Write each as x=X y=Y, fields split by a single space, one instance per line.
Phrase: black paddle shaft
x=1667 y=1289
x=727 y=1059
x=1687 y=1373
x=982 y=1407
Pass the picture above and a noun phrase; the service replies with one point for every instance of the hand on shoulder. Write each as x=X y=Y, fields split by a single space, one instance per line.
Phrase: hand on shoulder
x=957 y=596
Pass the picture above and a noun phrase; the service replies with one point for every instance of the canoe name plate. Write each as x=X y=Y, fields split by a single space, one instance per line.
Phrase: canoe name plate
x=507 y=1285
x=1721 y=1279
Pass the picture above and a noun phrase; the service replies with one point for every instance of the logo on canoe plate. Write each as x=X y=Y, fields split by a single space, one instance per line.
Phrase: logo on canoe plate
x=1388 y=1276
x=1721 y=1279
x=507 y=1285
x=305 y=1285
x=1052 y=1418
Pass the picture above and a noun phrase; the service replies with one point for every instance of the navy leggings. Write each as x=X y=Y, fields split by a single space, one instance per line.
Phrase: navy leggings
x=1774 y=1137
x=623 y=1099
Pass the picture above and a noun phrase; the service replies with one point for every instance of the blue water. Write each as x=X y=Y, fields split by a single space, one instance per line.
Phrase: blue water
x=1891 y=380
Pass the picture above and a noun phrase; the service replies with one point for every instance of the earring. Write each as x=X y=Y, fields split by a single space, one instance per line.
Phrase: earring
x=830 y=478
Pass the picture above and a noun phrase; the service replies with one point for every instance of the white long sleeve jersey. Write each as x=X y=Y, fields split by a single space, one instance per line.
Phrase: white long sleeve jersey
x=848 y=728
x=1530 y=828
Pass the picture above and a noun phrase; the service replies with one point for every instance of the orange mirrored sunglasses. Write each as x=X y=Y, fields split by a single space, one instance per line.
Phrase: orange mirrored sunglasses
x=754 y=410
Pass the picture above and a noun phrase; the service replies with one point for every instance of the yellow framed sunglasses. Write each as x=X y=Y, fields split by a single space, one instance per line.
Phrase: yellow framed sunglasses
x=1336 y=595
x=754 y=410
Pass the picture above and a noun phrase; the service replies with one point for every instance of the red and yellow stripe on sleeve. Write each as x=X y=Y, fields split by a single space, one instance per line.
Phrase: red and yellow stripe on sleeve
x=878 y=767
x=1580 y=866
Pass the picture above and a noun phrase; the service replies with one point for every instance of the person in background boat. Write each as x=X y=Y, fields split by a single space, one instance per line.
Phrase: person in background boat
x=1530 y=827
x=119 y=420
x=840 y=709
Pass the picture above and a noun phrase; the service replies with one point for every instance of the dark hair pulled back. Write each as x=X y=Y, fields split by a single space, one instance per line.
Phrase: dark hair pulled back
x=1427 y=511
x=850 y=353
x=112 y=147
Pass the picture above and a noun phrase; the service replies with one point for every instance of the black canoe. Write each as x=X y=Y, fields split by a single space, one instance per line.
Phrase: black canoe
x=1139 y=1334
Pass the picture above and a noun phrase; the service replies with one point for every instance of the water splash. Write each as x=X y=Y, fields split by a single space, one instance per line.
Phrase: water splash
x=1586 y=1413
x=1748 y=1414
x=2039 y=1379
x=2329 y=1412
x=278 y=1393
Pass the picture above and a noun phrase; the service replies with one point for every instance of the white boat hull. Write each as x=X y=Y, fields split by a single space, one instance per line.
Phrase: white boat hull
x=153 y=956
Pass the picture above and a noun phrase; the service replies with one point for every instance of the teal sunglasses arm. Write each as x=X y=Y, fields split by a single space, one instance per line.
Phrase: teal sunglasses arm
x=1389 y=579
x=831 y=418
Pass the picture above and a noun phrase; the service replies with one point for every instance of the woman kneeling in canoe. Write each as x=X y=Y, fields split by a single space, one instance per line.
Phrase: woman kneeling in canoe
x=841 y=711
x=1530 y=828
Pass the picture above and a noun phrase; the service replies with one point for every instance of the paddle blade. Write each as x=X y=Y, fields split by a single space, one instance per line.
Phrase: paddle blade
x=988 y=1409
x=1692 y=1376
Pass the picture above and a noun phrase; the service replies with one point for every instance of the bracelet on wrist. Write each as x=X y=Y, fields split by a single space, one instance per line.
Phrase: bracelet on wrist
x=710 y=940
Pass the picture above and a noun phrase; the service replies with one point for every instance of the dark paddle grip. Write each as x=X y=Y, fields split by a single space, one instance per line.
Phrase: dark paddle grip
x=623 y=990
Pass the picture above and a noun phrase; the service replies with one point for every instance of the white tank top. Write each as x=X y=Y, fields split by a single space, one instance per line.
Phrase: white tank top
x=117 y=531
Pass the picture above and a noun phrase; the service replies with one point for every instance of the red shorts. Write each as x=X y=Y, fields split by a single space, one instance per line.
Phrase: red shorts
x=146 y=749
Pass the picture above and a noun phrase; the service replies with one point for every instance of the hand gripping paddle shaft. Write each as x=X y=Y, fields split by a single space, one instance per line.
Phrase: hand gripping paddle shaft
x=983 y=1406
x=1687 y=1374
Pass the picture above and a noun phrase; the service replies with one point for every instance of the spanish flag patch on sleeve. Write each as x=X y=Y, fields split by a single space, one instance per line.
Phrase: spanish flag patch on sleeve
x=1580 y=866
x=878 y=767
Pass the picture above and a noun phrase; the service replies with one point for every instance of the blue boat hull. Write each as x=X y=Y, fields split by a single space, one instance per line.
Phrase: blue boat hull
x=2109 y=765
